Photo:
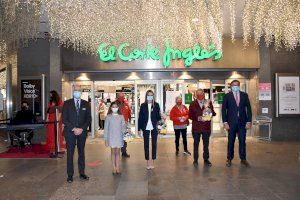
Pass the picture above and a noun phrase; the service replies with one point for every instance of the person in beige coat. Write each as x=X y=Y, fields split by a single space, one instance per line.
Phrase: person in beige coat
x=102 y=110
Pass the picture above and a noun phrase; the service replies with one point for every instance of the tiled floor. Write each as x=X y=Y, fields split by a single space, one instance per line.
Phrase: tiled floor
x=274 y=175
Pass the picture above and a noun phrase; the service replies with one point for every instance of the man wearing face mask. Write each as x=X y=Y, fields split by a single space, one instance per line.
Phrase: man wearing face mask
x=24 y=116
x=201 y=127
x=76 y=117
x=237 y=117
x=126 y=112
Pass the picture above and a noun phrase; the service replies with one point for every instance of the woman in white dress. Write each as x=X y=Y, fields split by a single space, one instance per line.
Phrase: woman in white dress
x=114 y=129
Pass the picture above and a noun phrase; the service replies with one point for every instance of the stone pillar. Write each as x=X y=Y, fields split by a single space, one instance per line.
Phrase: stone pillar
x=55 y=74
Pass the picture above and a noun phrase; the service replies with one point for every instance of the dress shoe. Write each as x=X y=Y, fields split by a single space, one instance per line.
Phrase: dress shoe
x=187 y=153
x=125 y=155
x=70 y=179
x=177 y=153
x=84 y=177
x=195 y=163
x=207 y=163
x=245 y=163
x=228 y=163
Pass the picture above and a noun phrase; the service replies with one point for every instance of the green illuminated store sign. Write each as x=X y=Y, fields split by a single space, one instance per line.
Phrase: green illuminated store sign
x=109 y=53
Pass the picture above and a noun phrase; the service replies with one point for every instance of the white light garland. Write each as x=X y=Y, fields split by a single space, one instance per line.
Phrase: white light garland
x=19 y=22
x=232 y=18
x=277 y=21
x=84 y=24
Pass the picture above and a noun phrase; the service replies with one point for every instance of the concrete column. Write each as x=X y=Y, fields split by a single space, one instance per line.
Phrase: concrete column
x=55 y=74
x=9 y=103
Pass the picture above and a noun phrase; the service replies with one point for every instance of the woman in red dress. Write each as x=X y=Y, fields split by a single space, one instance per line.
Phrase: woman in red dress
x=54 y=103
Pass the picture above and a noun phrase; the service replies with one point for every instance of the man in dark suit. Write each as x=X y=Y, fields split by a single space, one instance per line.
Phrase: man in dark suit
x=237 y=117
x=76 y=117
x=201 y=126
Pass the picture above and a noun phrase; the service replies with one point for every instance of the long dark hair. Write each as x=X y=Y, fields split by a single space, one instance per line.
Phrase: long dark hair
x=110 y=110
x=55 y=97
x=149 y=91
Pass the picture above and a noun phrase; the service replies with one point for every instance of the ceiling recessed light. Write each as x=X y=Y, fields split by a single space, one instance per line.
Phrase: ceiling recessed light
x=195 y=20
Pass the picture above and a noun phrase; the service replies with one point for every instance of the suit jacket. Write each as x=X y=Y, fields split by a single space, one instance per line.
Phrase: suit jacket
x=196 y=111
x=143 y=116
x=70 y=118
x=236 y=115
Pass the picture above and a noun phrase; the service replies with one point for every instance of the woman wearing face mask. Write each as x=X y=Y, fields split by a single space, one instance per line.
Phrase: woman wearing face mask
x=54 y=103
x=114 y=129
x=149 y=117
x=180 y=116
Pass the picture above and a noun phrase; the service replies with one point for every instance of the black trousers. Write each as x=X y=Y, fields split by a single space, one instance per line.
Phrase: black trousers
x=240 y=131
x=205 y=138
x=72 y=140
x=177 y=138
x=101 y=123
x=124 y=148
x=146 y=135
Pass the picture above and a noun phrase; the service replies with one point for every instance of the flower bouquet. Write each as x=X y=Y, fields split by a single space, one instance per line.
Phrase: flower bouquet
x=207 y=112
x=128 y=136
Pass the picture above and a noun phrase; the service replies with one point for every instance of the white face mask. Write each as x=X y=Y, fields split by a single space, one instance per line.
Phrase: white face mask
x=115 y=110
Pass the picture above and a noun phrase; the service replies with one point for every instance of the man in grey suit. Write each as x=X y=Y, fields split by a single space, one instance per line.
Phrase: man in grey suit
x=76 y=117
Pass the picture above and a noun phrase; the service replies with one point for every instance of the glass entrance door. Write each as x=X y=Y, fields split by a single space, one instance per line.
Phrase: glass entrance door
x=141 y=87
x=218 y=90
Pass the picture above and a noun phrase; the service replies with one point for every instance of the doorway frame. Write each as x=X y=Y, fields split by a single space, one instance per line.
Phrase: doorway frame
x=157 y=97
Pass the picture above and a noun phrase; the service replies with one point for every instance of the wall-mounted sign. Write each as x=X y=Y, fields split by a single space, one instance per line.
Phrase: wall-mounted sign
x=188 y=98
x=31 y=93
x=107 y=53
x=264 y=92
x=220 y=97
x=288 y=95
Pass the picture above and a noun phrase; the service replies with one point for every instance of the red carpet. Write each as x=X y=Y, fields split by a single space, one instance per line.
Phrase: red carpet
x=35 y=151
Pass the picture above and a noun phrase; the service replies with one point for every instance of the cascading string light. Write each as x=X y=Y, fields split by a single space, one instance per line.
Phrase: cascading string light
x=19 y=23
x=84 y=24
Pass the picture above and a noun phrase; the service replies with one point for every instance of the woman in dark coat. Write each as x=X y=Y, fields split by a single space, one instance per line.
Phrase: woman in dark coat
x=149 y=117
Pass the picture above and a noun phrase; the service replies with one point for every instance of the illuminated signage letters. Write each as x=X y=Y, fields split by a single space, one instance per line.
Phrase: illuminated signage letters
x=107 y=53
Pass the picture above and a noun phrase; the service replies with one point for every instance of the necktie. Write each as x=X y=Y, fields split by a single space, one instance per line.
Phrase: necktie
x=77 y=106
x=237 y=100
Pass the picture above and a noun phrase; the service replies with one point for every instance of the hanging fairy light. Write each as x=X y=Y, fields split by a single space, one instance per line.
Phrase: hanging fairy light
x=277 y=21
x=232 y=10
x=19 y=22
x=85 y=24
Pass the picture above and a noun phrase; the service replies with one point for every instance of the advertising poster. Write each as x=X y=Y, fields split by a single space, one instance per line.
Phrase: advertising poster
x=264 y=92
x=288 y=95
x=31 y=92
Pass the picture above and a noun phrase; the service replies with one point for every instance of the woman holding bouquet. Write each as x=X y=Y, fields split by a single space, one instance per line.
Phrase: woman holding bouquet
x=180 y=116
x=201 y=112
x=149 y=119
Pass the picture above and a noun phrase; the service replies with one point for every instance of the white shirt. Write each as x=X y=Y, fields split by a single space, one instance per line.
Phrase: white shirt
x=149 y=126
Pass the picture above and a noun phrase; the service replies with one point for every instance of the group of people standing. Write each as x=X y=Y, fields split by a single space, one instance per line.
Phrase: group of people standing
x=236 y=115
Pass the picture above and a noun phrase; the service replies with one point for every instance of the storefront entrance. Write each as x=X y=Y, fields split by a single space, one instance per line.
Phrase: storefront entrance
x=165 y=91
